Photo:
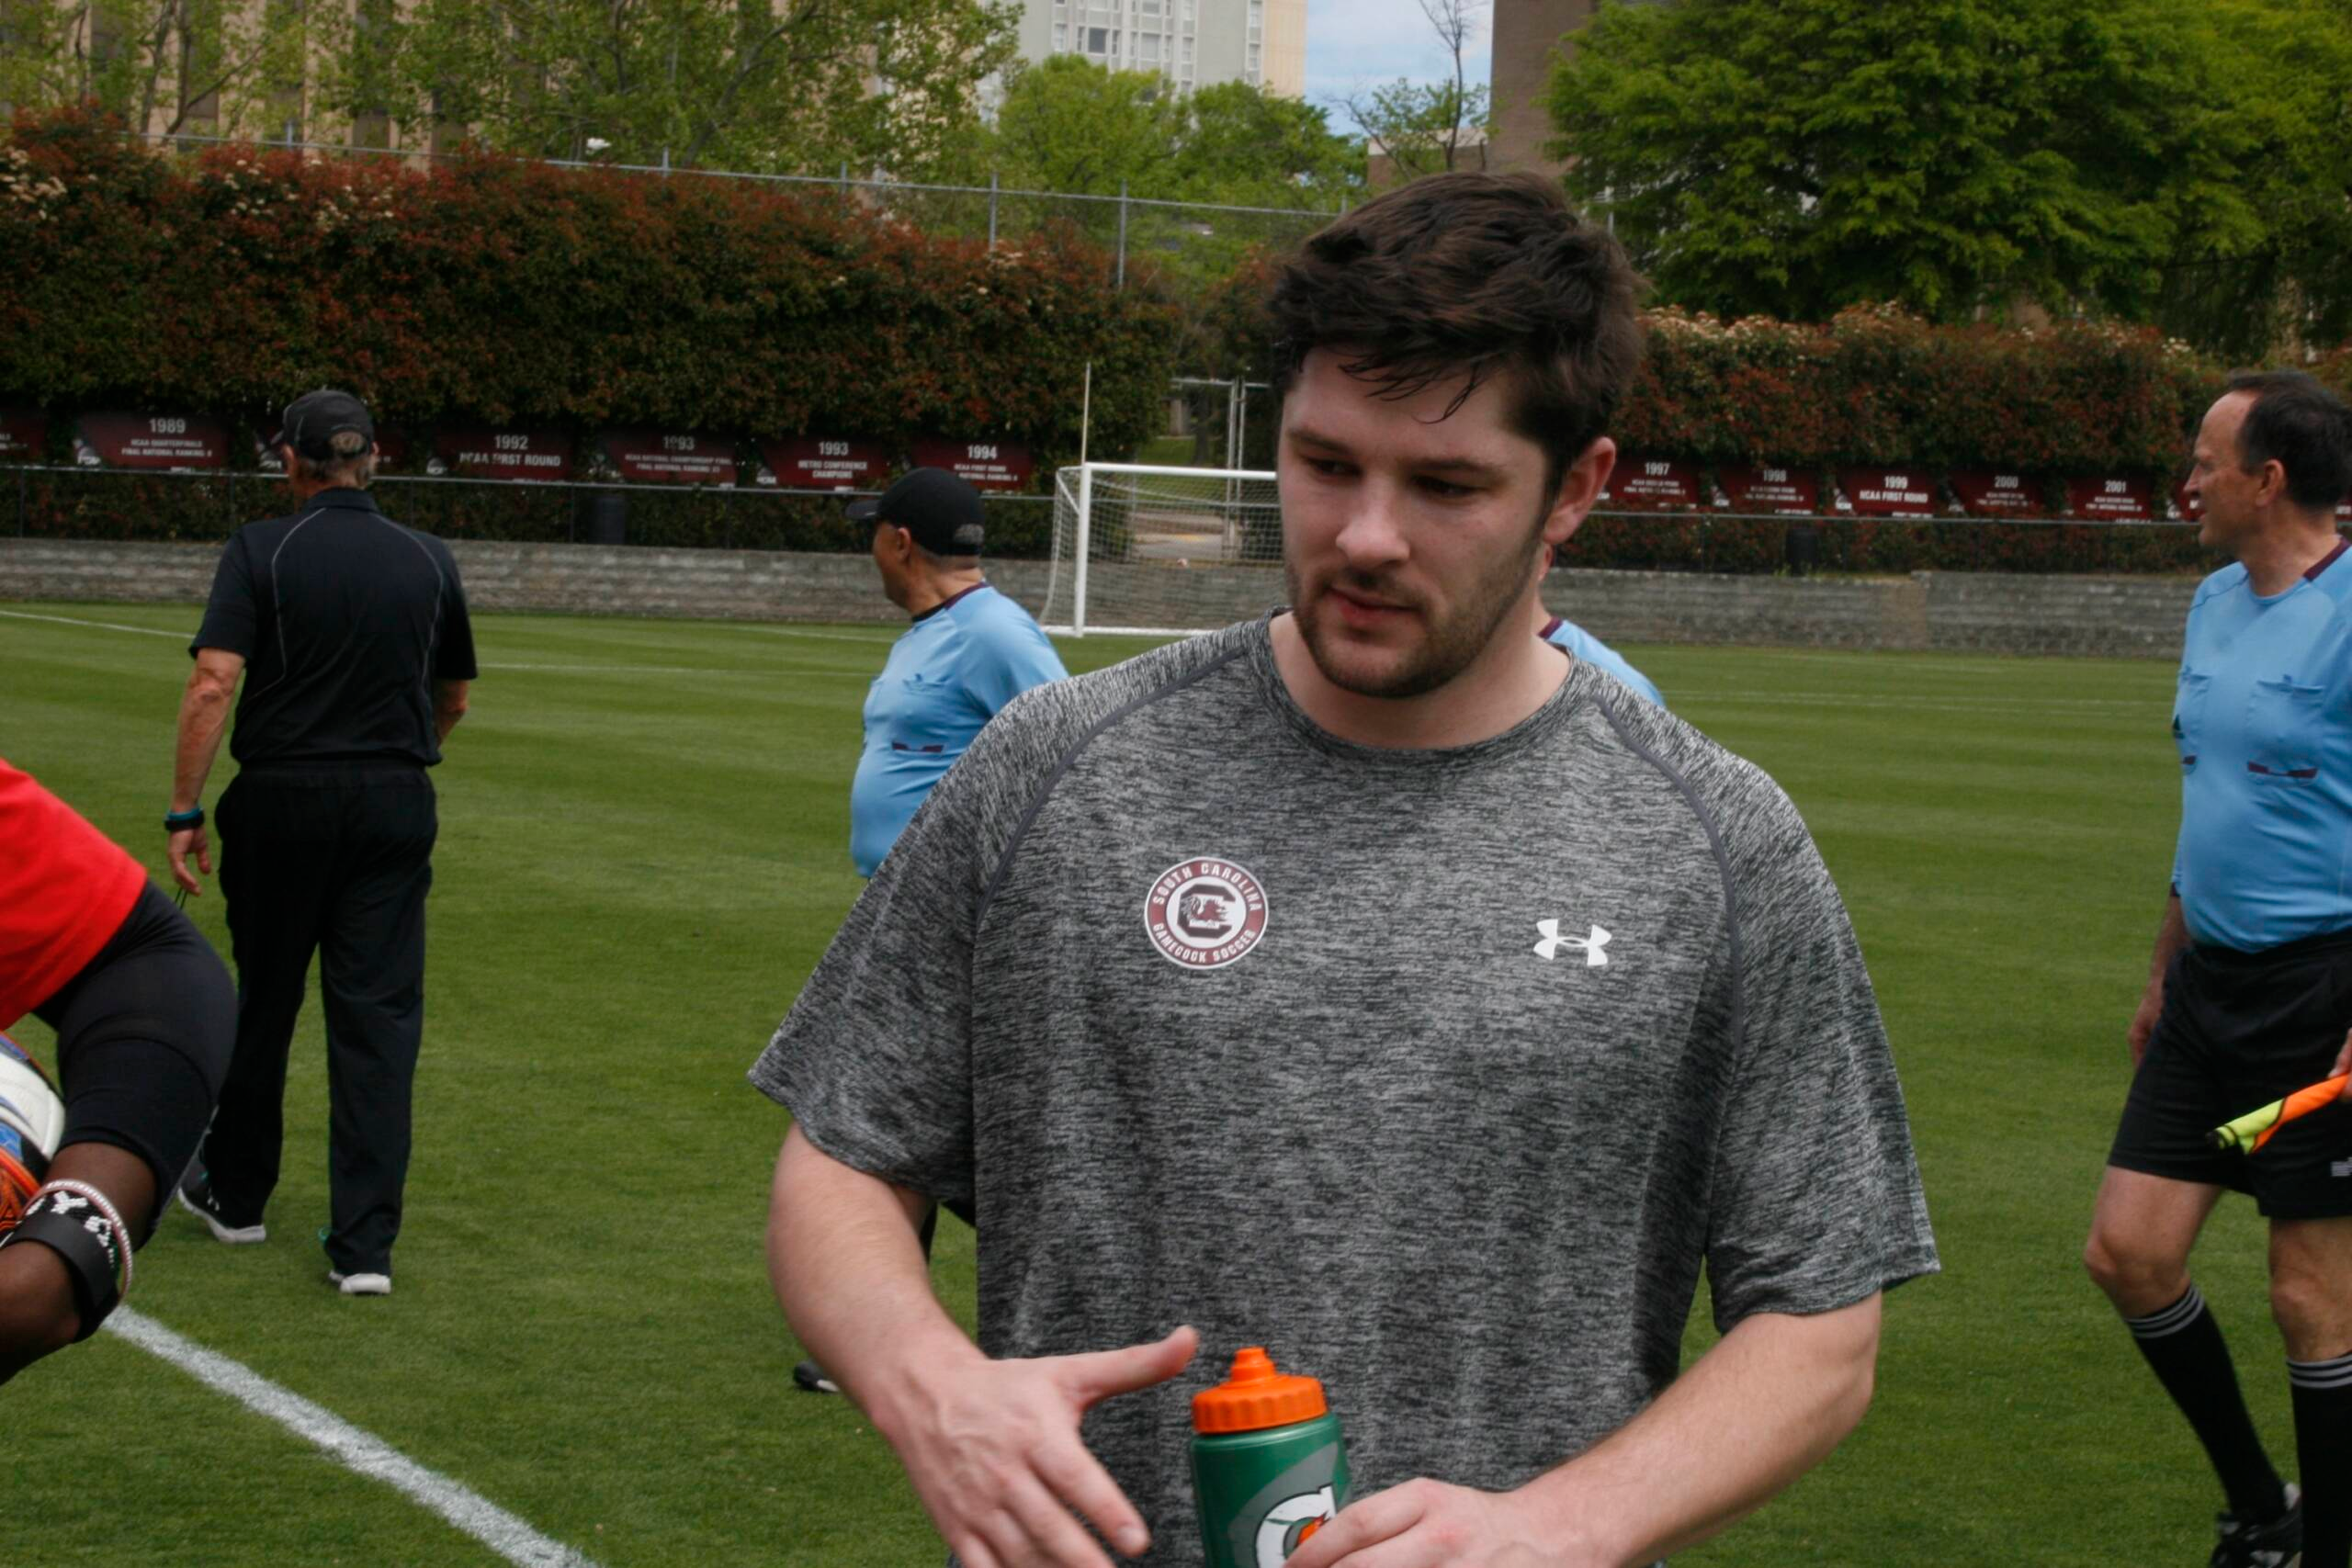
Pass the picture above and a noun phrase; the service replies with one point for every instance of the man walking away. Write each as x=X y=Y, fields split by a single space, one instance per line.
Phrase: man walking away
x=354 y=632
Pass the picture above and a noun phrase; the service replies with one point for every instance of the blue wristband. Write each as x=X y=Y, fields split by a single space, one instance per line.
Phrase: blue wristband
x=179 y=821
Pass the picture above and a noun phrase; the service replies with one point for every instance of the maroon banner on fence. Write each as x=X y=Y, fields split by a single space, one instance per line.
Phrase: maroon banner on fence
x=1771 y=490
x=152 y=441
x=24 y=435
x=2129 y=500
x=1985 y=493
x=503 y=454
x=1653 y=481
x=1889 y=493
x=984 y=465
x=654 y=457
x=824 y=462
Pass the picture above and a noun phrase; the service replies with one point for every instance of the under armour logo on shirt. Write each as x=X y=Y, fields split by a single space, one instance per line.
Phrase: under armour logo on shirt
x=1590 y=946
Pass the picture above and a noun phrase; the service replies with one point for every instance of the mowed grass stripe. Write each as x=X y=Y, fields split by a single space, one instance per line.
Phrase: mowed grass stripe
x=637 y=871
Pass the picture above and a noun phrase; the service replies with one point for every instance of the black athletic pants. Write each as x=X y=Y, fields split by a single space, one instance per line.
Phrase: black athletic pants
x=336 y=858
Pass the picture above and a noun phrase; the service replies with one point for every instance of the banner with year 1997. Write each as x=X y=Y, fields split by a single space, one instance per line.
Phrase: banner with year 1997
x=1653 y=482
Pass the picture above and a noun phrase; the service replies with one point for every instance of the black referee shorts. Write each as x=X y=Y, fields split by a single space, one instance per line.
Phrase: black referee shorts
x=2238 y=1031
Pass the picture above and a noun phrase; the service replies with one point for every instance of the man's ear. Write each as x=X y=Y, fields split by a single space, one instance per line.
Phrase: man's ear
x=1580 y=487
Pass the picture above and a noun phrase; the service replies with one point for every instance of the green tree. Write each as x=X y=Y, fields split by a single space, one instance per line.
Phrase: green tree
x=1790 y=157
x=1067 y=124
x=193 y=67
x=2285 y=68
x=796 y=86
x=1427 y=128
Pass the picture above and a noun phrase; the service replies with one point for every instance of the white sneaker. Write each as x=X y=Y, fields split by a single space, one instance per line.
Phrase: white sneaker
x=234 y=1235
x=361 y=1284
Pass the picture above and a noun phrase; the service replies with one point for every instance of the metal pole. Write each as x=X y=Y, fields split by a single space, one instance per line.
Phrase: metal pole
x=1085 y=532
x=992 y=209
x=1123 y=234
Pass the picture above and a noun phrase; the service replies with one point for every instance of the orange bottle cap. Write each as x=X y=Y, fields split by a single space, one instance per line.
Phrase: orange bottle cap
x=1254 y=1396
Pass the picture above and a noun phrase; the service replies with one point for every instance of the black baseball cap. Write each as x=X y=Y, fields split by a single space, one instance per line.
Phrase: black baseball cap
x=941 y=511
x=312 y=421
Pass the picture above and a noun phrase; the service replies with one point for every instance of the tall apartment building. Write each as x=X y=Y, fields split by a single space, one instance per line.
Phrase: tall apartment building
x=1195 y=43
x=1525 y=34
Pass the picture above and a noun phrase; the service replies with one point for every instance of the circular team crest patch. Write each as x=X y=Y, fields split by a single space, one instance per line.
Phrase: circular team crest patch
x=1205 y=913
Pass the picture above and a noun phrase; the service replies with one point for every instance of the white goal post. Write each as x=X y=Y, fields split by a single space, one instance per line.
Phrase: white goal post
x=1144 y=549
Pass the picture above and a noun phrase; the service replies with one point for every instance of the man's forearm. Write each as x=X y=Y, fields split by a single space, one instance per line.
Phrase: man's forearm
x=1764 y=1406
x=2172 y=936
x=204 y=714
x=853 y=1279
x=449 y=704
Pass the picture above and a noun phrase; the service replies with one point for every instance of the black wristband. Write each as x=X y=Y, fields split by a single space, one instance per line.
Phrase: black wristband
x=179 y=821
x=89 y=1240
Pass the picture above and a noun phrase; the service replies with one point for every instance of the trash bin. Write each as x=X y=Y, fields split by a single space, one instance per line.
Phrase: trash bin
x=1803 y=548
x=607 y=518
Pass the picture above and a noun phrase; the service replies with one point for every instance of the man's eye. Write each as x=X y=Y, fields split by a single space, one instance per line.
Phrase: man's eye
x=1330 y=468
x=1445 y=489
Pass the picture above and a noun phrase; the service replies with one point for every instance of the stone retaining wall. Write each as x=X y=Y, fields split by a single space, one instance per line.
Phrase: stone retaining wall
x=2129 y=617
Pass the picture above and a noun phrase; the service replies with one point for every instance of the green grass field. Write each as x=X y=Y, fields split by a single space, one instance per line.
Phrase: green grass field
x=643 y=854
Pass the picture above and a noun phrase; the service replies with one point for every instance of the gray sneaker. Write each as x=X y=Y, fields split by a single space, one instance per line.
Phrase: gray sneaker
x=2278 y=1543
x=195 y=1195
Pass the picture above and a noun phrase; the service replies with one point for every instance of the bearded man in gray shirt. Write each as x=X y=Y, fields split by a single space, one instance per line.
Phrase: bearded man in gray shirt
x=1372 y=982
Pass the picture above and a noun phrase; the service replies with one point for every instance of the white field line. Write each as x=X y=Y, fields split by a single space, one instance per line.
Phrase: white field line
x=876 y=640
x=363 y=1453
x=487 y=664
x=102 y=625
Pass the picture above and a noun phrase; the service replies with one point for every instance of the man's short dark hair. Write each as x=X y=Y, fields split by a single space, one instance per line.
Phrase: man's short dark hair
x=1476 y=273
x=2299 y=423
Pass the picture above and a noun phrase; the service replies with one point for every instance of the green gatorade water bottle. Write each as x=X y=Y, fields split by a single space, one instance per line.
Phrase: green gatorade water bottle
x=1269 y=1468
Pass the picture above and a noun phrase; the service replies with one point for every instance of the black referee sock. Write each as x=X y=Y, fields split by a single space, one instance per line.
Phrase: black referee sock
x=2184 y=1347
x=2322 y=1394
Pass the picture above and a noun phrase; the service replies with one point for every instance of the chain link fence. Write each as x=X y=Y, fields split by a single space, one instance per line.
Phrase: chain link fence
x=57 y=502
x=1198 y=240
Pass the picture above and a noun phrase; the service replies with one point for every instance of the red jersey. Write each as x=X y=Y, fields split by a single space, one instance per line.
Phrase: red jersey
x=65 y=888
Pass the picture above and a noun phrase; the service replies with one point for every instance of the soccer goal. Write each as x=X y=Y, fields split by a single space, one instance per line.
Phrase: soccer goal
x=1159 y=551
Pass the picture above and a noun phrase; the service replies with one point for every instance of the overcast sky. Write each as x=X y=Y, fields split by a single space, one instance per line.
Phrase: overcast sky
x=1355 y=44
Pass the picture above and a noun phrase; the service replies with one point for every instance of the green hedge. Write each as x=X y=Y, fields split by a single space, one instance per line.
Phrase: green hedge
x=505 y=293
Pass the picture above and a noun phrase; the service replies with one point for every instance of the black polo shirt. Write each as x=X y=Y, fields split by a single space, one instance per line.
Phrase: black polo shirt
x=346 y=619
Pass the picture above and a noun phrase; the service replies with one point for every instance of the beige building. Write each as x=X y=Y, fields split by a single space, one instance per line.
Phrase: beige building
x=1194 y=43
x=1526 y=32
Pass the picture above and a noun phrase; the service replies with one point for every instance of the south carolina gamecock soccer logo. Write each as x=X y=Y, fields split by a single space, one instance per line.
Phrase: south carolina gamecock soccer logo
x=1205 y=913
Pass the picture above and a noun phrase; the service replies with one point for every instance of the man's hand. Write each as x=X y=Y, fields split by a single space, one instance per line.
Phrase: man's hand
x=190 y=842
x=2144 y=1023
x=1427 y=1524
x=994 y=1453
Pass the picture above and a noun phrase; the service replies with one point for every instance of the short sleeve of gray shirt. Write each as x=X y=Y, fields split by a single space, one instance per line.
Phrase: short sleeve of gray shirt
x=1441 y=1074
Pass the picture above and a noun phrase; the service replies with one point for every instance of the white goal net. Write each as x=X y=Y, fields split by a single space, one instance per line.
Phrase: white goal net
x=1161 y=551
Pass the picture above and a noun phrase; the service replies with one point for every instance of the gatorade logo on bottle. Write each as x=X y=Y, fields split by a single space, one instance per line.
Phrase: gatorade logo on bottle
x=1289 y=1523
x=1269 y=1468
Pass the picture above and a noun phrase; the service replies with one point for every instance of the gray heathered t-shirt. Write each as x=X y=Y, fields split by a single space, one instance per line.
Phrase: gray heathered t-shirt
x=1440 y=1074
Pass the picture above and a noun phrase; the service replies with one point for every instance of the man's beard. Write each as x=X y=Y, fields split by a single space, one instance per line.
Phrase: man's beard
x=1448 y=647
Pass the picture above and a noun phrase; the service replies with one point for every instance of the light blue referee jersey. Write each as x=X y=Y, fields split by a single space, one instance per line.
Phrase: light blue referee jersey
x=1582 y=643
x=2263 y=718
x=947 y=676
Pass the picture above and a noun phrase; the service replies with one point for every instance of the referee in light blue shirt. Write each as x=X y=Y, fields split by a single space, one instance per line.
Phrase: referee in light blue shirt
x=971 y=651
x=2250 y=992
